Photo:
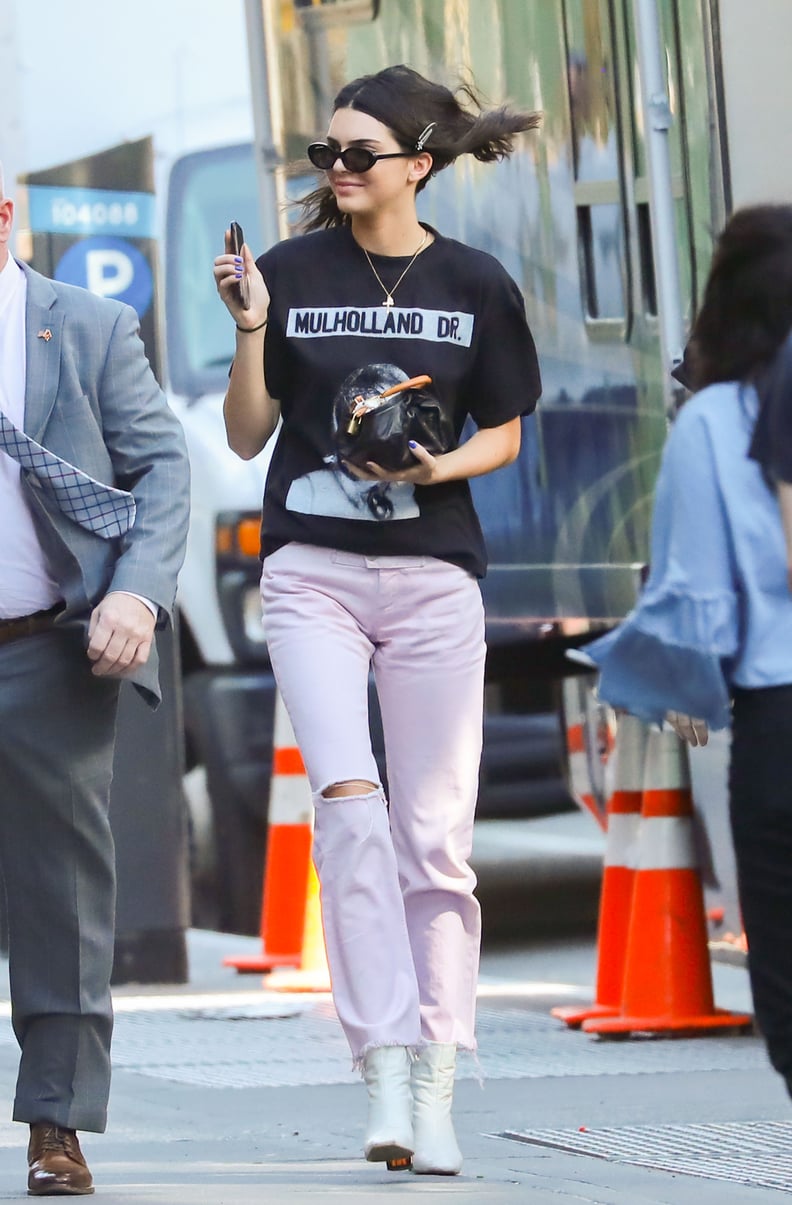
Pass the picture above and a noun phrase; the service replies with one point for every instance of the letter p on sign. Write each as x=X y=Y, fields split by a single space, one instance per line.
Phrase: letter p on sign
x=108 y=273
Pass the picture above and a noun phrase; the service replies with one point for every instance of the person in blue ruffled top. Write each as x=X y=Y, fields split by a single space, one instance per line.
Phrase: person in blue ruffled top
x=710 y=642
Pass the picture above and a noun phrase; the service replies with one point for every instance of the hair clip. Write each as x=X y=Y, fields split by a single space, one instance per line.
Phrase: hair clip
x=424 y=136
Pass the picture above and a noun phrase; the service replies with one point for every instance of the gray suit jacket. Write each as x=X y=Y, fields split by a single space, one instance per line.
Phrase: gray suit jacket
x=92 y=398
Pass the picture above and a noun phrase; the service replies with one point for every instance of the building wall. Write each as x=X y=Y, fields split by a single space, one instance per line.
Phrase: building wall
x=12 y=136
x=756 y=39
x=80 y=77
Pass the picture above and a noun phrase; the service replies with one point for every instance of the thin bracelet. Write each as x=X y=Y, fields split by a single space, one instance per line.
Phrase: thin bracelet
x=248 y=330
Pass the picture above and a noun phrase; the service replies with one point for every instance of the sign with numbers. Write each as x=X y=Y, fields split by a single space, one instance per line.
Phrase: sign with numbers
x=67 y=210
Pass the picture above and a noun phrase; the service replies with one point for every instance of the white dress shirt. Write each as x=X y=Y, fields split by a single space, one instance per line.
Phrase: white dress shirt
x=25 y=582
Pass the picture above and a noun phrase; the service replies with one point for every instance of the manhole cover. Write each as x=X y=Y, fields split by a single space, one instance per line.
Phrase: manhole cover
x=246 y=1012
x=755 y=1153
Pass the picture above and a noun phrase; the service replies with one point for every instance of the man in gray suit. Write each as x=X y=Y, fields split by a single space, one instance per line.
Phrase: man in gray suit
x=78 y=611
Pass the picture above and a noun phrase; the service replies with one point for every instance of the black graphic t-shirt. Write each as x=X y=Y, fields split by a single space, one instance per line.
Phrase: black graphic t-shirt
x=457 y=317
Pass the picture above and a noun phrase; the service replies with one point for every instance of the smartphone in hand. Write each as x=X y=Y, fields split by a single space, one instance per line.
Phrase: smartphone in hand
x=243 y=286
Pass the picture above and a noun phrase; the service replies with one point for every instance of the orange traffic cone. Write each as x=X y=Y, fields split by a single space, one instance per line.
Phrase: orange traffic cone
x=313 y=974
x=667 y=976
x=582 y=741
x=288 y=859
x=618 y=874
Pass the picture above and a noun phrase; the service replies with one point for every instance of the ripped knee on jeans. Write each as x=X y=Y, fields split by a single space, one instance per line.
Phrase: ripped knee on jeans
x=353 y=786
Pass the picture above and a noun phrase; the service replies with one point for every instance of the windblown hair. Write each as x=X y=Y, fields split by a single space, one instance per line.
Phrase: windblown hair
x=407 y=103
x=747 y=309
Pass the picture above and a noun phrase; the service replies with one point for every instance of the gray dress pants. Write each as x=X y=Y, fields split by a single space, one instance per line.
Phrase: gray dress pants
x=57 y=730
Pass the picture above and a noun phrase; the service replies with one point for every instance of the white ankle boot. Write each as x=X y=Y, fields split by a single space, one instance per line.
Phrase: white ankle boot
x=432 y=1075
x=389 y=1132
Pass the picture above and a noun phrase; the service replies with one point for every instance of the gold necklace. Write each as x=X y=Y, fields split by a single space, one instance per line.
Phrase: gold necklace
x=389 y=292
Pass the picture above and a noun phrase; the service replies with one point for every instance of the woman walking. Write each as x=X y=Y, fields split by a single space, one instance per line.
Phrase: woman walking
x=370 y=568
x=711 y=637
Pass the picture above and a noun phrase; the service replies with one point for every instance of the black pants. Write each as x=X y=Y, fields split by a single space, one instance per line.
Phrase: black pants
x=760 y=789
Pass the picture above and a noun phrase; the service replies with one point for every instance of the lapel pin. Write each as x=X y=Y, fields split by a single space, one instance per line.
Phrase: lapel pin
x=46 y=334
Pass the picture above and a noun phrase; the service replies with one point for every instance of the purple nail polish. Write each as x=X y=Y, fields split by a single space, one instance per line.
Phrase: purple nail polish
x=412 y=443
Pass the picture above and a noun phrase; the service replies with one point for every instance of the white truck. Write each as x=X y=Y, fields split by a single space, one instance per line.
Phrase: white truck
x=228 y=689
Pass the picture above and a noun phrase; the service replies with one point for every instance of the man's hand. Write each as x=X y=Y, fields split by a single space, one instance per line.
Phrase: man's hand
x=695 y=732
x=119 y=635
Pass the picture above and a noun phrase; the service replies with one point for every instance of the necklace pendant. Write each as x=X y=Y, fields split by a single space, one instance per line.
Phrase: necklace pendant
x=388 y=301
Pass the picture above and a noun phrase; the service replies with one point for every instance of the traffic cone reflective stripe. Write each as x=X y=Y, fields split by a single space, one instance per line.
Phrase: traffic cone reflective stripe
x=288 y=859
x=667 y=977
x=664 y=844
x=618 y=874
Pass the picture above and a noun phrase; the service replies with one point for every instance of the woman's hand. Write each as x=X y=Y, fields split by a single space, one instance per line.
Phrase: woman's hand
x=425 y=472
x=487 y=449
x=249 y=412
x=228 y=269
x=695 y=732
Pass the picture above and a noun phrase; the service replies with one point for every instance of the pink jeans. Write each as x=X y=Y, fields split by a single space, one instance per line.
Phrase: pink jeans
x=401 y=923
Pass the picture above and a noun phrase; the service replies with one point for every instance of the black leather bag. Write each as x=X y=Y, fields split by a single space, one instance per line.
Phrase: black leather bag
x=379 y=429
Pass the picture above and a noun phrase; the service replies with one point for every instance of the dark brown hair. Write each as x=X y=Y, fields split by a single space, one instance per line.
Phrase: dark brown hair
x=747 y=309
x=407 y=103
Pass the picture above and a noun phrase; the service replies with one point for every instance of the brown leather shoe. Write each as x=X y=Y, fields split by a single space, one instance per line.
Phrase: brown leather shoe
x=57 y=1166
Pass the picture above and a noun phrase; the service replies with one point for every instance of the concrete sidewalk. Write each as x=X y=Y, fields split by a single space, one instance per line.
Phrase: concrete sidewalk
x=224 y=1093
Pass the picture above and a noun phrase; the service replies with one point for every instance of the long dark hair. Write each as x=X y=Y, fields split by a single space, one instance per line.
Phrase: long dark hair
x=747 y=309
x=407 y=103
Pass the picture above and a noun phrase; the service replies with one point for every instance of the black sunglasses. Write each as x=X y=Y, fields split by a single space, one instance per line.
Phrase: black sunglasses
x=356 y=159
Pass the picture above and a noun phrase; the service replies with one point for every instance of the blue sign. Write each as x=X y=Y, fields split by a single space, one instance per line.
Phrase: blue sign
x=64 y=210
x=110 y=267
